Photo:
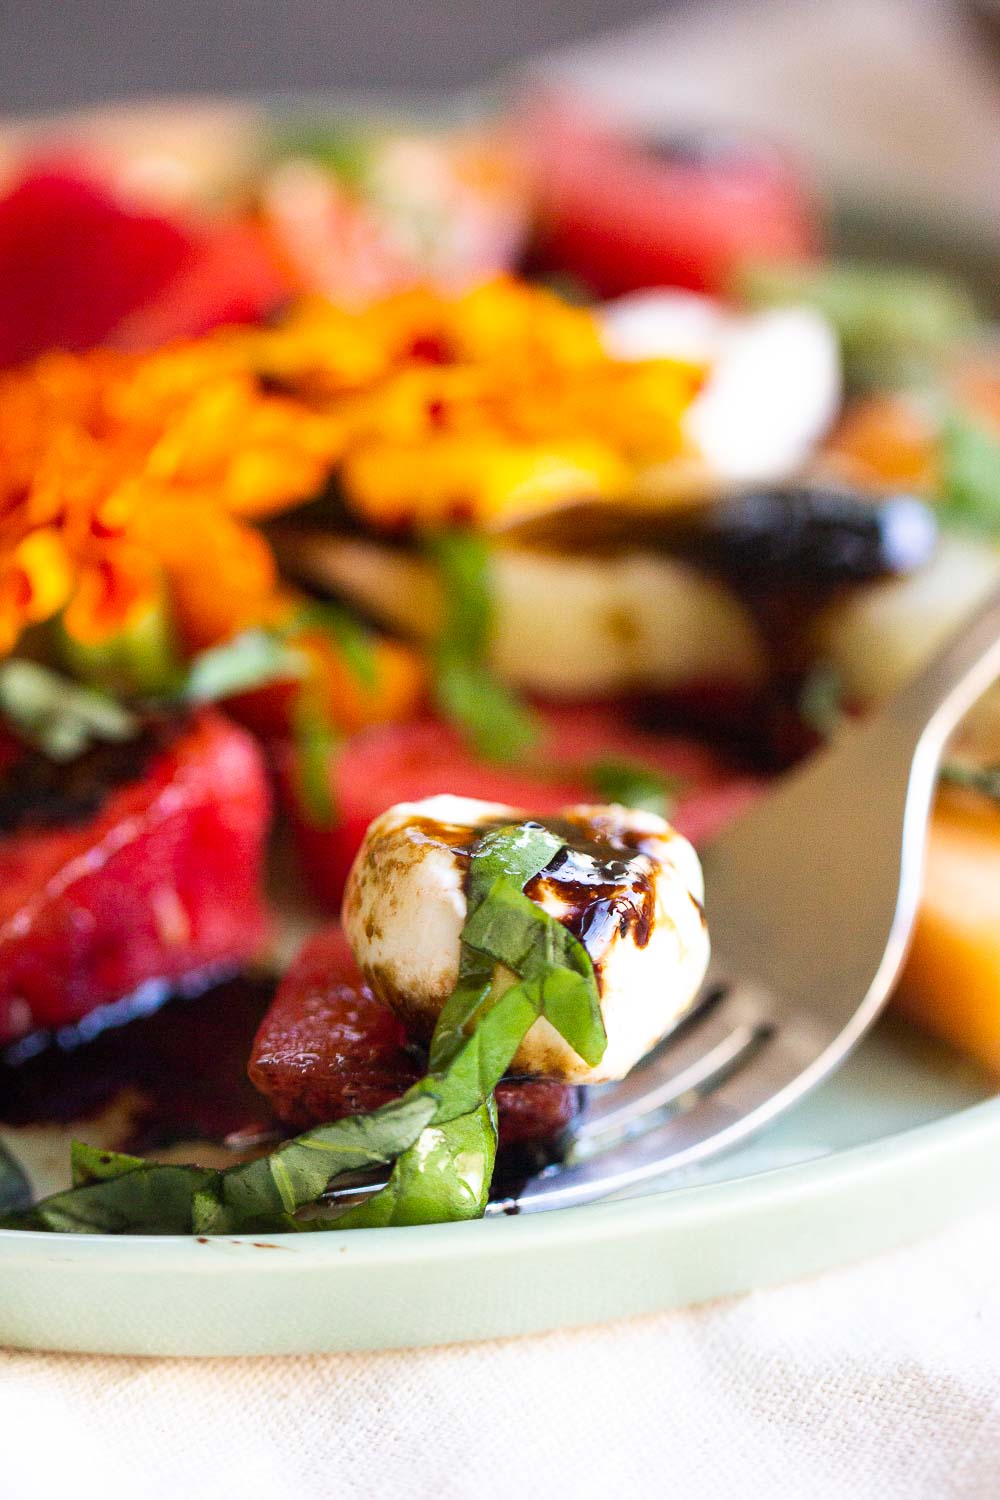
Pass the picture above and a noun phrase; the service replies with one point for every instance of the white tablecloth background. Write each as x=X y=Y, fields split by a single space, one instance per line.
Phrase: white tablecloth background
x=879 y=1382
x=876 y=1382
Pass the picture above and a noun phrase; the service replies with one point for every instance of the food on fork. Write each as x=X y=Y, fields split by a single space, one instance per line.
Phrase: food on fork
x=625 y=884
x=328 y=1048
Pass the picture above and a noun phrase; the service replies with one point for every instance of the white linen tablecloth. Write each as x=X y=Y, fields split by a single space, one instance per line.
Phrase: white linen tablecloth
x=876 y=1382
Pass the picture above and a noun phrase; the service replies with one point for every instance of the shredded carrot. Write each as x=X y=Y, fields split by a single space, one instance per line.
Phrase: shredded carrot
x=126 y=479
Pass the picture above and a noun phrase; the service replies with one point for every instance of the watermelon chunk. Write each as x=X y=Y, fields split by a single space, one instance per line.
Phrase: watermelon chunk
x=327 y=1048
x=407 y=762
x=74 y=262
x=78 y=268
x=161 y=881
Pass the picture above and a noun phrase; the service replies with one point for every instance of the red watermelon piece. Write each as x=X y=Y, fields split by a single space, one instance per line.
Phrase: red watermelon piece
x=79 y=267
x=621 y=215
x=327 y=1048
x=407 y=762
x=161 y=882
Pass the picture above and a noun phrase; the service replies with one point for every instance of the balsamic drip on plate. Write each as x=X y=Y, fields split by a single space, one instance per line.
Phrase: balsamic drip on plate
x=182 y=1071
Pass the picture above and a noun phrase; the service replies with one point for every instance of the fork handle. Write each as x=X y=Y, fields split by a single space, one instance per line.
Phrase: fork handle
x=932 y=703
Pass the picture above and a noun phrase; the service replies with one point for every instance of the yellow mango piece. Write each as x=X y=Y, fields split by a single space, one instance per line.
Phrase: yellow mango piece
x=951 y=983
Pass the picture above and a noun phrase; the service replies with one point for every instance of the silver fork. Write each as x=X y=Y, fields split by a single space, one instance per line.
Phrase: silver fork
x=811 y=900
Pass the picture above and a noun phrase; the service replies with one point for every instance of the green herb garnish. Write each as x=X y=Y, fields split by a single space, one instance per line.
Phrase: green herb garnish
x=982 y=779
x=15 y=1189
x=443 y=1178
x=632 y=784
x=468 y=694
x=345 y=151
x=347 y=634
x=152 y=1198
x=250 y=660
x=894 y=323
x=969 y=455
x=59 y=717
x=316 y=741
x=439 y=1139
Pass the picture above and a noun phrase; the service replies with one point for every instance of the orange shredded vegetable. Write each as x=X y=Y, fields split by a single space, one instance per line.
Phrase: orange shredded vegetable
x=133 y=481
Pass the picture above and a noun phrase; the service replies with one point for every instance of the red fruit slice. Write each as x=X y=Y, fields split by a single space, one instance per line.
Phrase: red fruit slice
x=231 y=276
x=74 y=263
x=406 y=762
x=161 y=881
x=327 y=1048
x=620 y=216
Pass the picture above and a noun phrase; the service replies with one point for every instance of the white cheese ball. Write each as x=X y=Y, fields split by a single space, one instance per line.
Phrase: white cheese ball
x=629 y=886
x=773 y=385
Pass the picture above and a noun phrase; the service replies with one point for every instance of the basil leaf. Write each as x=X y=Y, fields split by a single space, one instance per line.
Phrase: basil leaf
x=496 y=725
x=354 y=643
x=894 y=323
x=970 y=474
x=511 y=929
x=518 y=852
x=316 y=741
x=467 y=693
x=90 y=1164
x=484 y=1056
x=15 y=1189
x=570 y=1003
x=459 y=1012
x=250 y=660
x=632 y=784
x=57 y=716
x=150 y=1199
x=982 y=779
x=346 y=152
x=444 y=1177
x=260 y=1194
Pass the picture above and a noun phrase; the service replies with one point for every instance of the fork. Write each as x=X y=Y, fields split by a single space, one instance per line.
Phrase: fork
x=811 y=899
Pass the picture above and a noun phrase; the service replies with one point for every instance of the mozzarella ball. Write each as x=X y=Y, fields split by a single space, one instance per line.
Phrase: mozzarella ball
x=639 y=620
x=773 y=382
x=626 y=884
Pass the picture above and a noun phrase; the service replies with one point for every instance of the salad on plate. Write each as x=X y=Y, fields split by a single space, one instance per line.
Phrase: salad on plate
x=415 y=541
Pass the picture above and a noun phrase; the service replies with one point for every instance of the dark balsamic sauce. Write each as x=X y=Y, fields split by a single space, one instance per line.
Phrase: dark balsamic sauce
x=601 y=882
x=36 y=792
x=184 y=1067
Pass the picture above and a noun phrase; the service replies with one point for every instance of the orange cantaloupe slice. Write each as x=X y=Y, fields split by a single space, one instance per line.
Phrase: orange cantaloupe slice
x=951 y=984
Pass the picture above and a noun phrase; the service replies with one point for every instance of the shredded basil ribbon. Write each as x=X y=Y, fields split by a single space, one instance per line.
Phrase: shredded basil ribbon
x=633 y=784
x=15 y=1189
x=440 y=1137
x=969 y=482
x=468 y=694
x=58 y=716
x=982 y=779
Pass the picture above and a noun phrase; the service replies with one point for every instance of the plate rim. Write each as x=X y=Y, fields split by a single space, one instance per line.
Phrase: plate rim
x=650 y=1211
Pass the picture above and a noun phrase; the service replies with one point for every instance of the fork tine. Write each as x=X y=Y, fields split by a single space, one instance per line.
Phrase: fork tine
x=708 y=1043
x=777 y=1073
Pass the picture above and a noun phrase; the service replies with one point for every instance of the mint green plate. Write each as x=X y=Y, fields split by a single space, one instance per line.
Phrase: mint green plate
x=902 y=1140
